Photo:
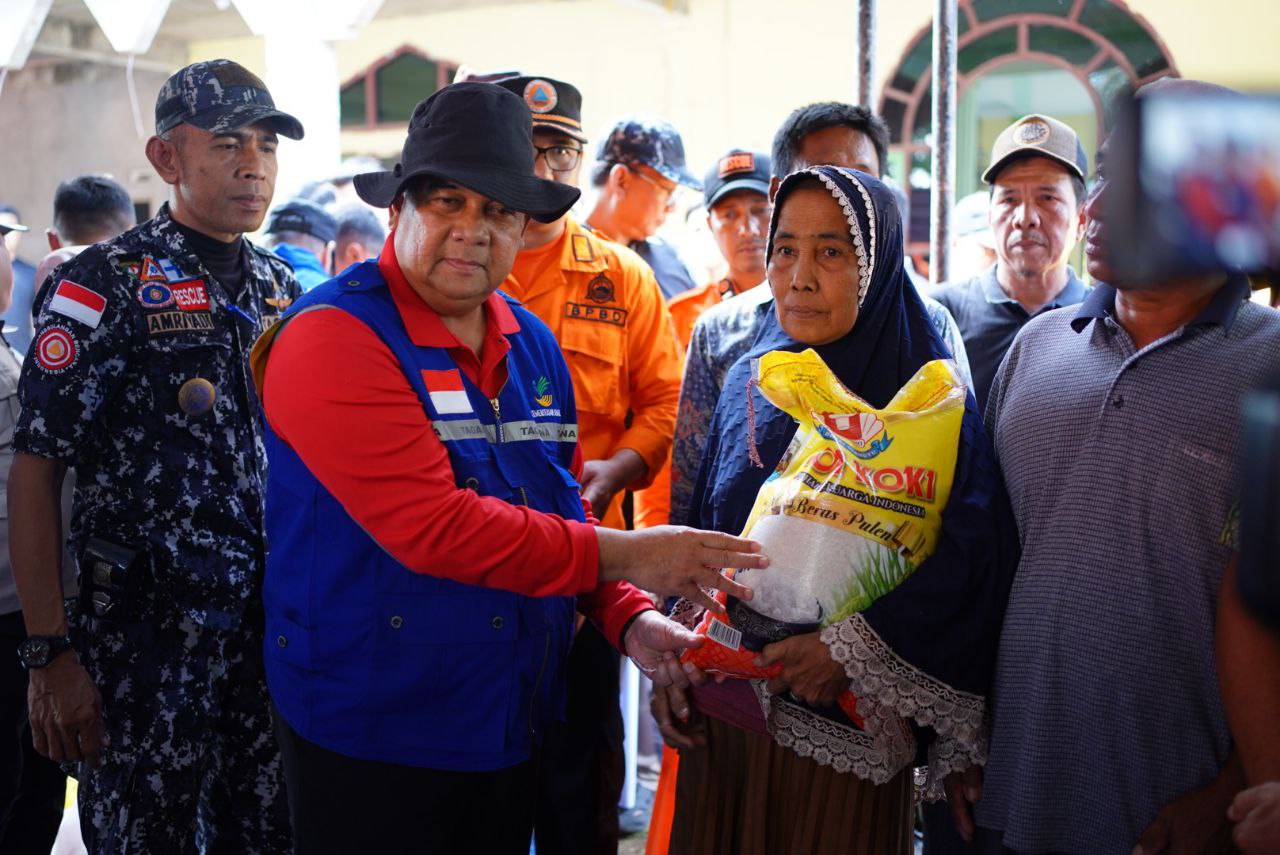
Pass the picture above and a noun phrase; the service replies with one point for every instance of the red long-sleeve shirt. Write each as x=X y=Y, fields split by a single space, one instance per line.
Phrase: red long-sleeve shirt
x=338 y=397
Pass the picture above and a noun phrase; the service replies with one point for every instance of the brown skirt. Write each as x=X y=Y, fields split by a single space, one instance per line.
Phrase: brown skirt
x=746 y=795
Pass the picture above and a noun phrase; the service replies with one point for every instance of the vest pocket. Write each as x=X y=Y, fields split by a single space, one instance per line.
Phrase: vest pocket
x=443 y=670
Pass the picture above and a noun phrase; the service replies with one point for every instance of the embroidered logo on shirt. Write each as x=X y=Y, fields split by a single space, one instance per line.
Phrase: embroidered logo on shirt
x=171 y=271
x=600 y=289
x=155 y=296
x=191 y=295
x=542 y=392
x=448 y=395
x=603 y=314
x=78 y=302
x=183 y=320
x=56 y=349
x=150 y=271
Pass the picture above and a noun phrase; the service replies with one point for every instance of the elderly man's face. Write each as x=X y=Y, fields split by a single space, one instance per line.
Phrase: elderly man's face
x=455 y=246
x=813 y=271
x=1035 y=216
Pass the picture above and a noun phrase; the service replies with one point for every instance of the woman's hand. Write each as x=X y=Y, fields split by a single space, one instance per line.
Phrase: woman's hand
x=807 y=669
x=681 y=727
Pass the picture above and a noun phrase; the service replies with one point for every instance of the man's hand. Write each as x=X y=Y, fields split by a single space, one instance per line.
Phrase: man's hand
x=675 y=561
x=604 y=479
x=963 y=790
x=1195 y=824
x=654 y=643
x=1256 y=812
x=807 y=669
x=65 y=712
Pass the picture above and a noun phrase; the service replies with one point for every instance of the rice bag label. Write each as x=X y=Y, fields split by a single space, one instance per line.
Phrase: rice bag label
x=856 y=502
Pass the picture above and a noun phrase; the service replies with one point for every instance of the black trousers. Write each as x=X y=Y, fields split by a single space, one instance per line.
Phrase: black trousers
x=32 y=788
x=581 y=765
x=342 y=805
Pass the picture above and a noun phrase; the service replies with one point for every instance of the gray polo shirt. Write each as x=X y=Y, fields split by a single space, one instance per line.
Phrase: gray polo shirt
x=1122 y=468
x=989 y=319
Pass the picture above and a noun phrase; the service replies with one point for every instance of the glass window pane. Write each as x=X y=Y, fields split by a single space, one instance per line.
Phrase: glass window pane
x=1000 y=43
x=1109 y=80
x=894 y=112
x=989 y=10
x=351 y=105
x=1074 y=47
x=402 y=83
x=914 y=64
x=1120 y=28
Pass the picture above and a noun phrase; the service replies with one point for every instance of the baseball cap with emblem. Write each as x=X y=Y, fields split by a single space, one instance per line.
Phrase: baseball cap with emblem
x=219 y=96
x=305 y=217
x=736 y=169
x=654 y=143
x=553 y=103
x=479 y=136
x=1039 y=136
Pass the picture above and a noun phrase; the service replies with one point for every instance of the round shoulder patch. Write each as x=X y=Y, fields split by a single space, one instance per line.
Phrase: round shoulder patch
x=540 y=96
x=155 y=296
x=56 y=349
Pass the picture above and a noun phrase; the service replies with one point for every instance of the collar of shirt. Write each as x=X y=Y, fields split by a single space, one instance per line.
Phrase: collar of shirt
x=576 y=250
x=1221 y=311
x=426 y=329
x=1071 y=294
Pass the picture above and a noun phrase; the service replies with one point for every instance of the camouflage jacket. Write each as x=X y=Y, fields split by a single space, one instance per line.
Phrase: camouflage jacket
x=138 y=377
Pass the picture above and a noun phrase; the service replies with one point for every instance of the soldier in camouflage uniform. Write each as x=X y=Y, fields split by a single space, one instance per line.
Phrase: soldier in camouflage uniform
x=138 y=377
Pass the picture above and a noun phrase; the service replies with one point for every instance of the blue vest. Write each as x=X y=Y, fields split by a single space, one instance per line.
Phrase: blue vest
x=372 y=660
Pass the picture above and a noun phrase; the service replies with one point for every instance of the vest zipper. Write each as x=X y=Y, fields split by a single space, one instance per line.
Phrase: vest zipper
x=497 y=416
x=533 y=704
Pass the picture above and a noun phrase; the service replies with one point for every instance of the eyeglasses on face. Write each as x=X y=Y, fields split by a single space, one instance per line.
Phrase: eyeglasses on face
x=561 y=158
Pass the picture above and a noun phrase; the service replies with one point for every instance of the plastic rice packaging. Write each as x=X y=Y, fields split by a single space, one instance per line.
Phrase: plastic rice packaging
x=853 y=508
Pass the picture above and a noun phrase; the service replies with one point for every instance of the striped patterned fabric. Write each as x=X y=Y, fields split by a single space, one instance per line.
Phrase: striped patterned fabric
x=1122 y=466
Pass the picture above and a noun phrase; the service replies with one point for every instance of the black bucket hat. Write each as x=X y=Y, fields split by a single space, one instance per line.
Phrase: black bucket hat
x=479 y=136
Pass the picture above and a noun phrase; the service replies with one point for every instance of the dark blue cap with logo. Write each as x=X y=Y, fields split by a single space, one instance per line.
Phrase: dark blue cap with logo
x=651 y=142
x=736 y=169
x=553 y=103
x=219 y=96
x=305 y=217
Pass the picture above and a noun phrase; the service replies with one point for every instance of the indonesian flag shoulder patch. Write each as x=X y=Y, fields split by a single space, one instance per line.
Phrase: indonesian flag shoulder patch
x=78 y=303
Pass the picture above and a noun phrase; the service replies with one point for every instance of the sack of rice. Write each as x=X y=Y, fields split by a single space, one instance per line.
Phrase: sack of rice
x=853 y=507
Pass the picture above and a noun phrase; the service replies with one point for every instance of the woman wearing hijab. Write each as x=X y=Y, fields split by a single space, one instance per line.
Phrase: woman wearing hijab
x=777 y=766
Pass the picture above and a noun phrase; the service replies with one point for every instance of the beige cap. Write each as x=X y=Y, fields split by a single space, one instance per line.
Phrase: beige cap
x=1038 y=135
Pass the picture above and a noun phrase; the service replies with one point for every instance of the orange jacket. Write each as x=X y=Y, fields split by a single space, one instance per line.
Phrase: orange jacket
x=653 y=504
x=604 y=307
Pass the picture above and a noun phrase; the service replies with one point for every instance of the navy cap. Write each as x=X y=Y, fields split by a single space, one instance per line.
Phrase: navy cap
x=553 y=103
x=736 y=169
x=651 y=142
x=219 y=96
x=305 y=216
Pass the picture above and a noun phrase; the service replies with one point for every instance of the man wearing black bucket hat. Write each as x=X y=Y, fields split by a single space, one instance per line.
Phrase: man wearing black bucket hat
x=427 y=534
x=138 y=378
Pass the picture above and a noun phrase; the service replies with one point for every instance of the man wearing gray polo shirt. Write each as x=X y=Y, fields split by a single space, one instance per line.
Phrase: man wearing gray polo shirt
x=1116 y=428
x=1037 y=177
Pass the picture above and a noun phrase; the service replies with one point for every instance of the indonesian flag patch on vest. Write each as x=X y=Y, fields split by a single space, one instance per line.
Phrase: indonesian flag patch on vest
x=448 y=395
x=78 y=302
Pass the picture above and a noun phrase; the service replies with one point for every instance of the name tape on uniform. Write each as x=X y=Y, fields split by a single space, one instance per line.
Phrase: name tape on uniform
x=447 y=393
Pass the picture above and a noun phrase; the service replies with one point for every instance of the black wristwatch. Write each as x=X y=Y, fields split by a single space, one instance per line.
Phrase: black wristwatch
x=37 y=651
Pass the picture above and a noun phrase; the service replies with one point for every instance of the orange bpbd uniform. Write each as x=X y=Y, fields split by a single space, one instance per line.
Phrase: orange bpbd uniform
x=604 y=307
x=653 y=504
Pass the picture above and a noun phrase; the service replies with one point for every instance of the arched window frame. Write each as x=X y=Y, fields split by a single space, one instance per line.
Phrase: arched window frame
x=902 y=132
x=445 y=69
